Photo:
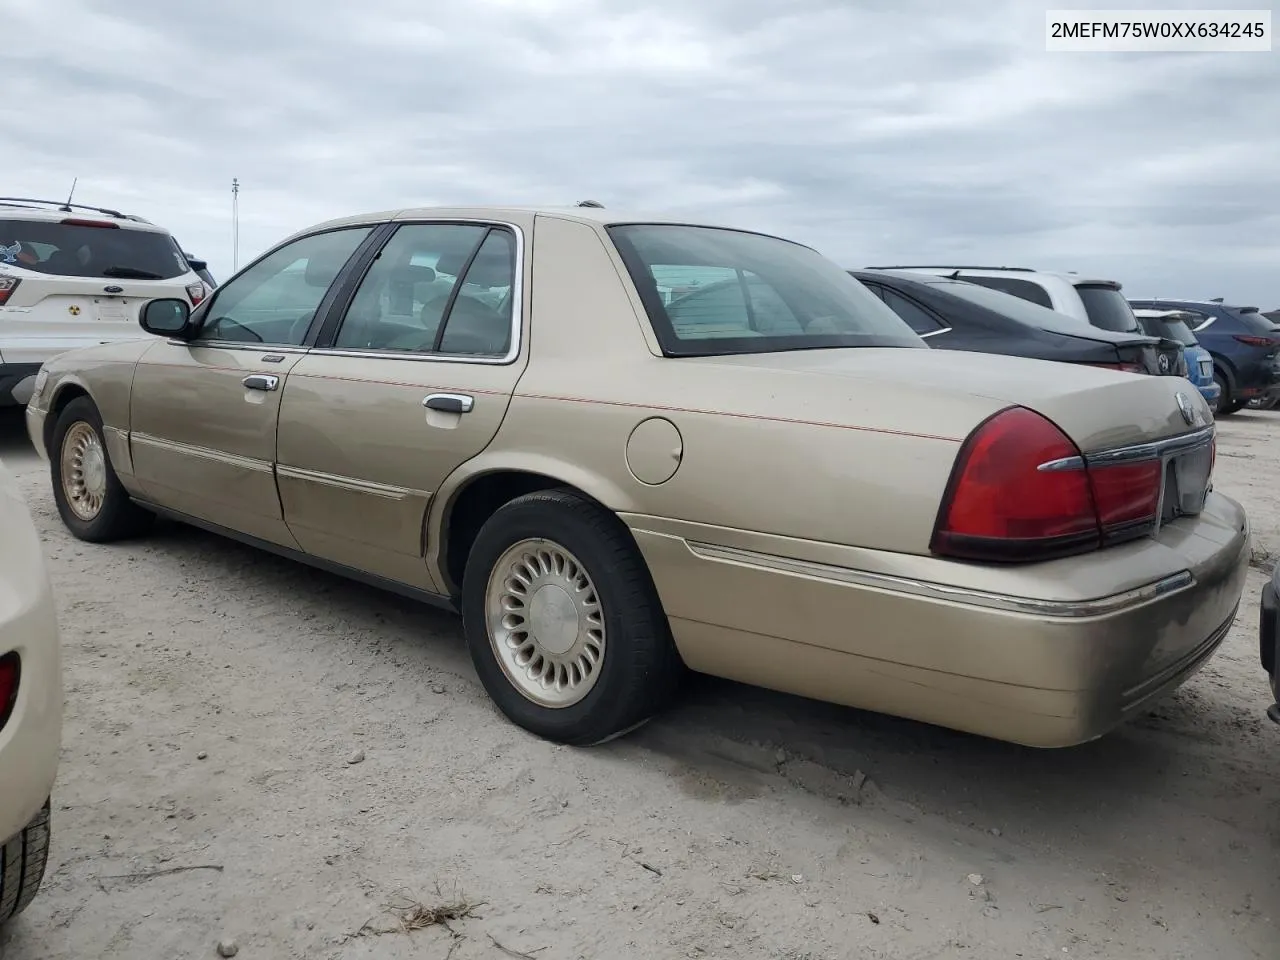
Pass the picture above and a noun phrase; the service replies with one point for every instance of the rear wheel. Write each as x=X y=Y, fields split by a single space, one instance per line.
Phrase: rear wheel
x=91 y=500
x=563 y=622
x=22 y=863
x=1226 y=405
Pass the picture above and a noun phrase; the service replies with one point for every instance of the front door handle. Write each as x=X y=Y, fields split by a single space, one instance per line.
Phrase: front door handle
x=261 y=381
x=449 y=402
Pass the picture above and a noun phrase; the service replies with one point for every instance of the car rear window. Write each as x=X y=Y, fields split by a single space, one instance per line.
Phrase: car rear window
x=711 y=291
x=1107 y=308
x=1023 y=289
x=1173 y=328
x=1011 y=305
x=73 y=250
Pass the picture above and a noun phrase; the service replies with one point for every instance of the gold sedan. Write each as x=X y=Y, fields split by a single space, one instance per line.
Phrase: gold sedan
x=626 y=447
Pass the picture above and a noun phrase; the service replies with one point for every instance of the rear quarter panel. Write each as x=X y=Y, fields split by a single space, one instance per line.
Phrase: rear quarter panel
x=748 y=448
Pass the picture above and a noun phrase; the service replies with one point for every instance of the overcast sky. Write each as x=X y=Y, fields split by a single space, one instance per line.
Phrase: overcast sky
x=879 y=131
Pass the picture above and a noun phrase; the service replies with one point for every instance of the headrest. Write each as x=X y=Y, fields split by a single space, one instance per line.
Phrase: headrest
x=491 y=268
x=413 y=273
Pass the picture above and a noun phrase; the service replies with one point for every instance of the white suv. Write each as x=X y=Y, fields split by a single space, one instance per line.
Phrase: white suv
x=1095 y=301
x=74 y=276
x=30 y=702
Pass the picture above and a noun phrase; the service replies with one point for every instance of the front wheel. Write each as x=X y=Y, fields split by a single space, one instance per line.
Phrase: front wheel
x=22 y=863
x=563 y=622
x=91 y=500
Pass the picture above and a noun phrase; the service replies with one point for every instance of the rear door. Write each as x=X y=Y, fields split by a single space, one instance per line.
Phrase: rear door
x=80 y=281
x=203 y=413
x=410 y=378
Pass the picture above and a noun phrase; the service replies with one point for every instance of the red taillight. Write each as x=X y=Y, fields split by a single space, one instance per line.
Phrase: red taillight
x=195 y=293
x=1255 y=341
x=7 y=286
x=78 y=222
x=1126 y=494
x=10 y=671
x=1020 y=491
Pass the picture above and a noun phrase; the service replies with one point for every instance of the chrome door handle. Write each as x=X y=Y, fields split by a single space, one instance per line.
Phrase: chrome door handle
x=449 y=402
x=260 y=381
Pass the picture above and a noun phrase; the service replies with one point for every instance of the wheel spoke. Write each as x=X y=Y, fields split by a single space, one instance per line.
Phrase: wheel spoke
x=545 y=622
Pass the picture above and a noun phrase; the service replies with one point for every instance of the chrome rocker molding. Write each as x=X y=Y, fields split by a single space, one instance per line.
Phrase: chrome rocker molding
x=1062 y=609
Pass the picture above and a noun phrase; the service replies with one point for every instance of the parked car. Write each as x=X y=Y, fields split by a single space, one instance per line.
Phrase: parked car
x=957 y=315
x=30 y=703
x=1244 y=346
x=1198 y=362
x=791 y=490
x=201 y=268
x=1096 y=301
x=1269 y=639
x=73 y=276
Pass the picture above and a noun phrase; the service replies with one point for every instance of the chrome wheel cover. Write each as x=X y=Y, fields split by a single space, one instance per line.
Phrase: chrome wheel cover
x=84 y=471
x=545 y=623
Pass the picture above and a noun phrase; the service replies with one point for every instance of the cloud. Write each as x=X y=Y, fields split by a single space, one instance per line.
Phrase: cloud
x=895 y=130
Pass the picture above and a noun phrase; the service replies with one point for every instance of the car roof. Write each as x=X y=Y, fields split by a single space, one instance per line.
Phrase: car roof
x=50 y=211
x=593 y=215
x=1144 y=313
x=1074 y=279
x=1198 y=302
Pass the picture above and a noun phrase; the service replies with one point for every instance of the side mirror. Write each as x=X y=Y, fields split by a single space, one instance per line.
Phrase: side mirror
x=166 y=318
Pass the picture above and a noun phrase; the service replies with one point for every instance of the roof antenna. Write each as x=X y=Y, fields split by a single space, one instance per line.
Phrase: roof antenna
x=596 y=204
x=67 y=206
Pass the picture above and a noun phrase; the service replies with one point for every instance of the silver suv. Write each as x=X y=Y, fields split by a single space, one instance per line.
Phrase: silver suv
x=74 y=276
x=1093 y=300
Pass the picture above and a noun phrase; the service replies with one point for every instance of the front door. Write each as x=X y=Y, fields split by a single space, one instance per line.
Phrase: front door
x=414 y=380
x=203 y=413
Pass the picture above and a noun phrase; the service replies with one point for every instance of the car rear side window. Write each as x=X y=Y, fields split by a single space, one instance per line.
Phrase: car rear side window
x=919 y=319
x=1107 y=308
x=76 y=249
x=412 y=300
x=711 y=291
x=1023 y=289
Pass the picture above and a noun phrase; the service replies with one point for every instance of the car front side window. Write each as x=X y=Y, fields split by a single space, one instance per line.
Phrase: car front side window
x=275 y=300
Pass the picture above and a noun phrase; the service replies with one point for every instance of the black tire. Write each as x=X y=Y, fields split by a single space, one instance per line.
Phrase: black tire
x=119 y=517
x=1226 y=406
x=640 y=670
x=22 y=865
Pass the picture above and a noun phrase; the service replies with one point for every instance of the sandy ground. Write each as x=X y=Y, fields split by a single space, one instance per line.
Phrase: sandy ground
x=215 y=696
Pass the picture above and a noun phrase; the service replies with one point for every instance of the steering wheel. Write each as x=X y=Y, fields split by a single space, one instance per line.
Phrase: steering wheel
x=296 y=335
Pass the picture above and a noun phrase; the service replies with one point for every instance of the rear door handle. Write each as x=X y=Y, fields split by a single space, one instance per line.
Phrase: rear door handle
x=449 y=402
x=261 y=381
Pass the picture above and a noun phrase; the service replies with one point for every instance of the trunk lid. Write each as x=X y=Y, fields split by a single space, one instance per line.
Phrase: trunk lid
x=948 y=393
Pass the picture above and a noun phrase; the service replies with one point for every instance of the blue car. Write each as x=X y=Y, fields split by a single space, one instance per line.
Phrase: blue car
x=1174 y=325
x=1244 y=344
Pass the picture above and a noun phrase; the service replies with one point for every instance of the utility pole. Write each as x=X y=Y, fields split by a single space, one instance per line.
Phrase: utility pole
x=235 y=224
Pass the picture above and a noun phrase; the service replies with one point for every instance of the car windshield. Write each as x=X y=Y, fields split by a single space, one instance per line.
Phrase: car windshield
x=105 y=252
x=710 y=291
x=1107 y=308
x=1252 y=320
